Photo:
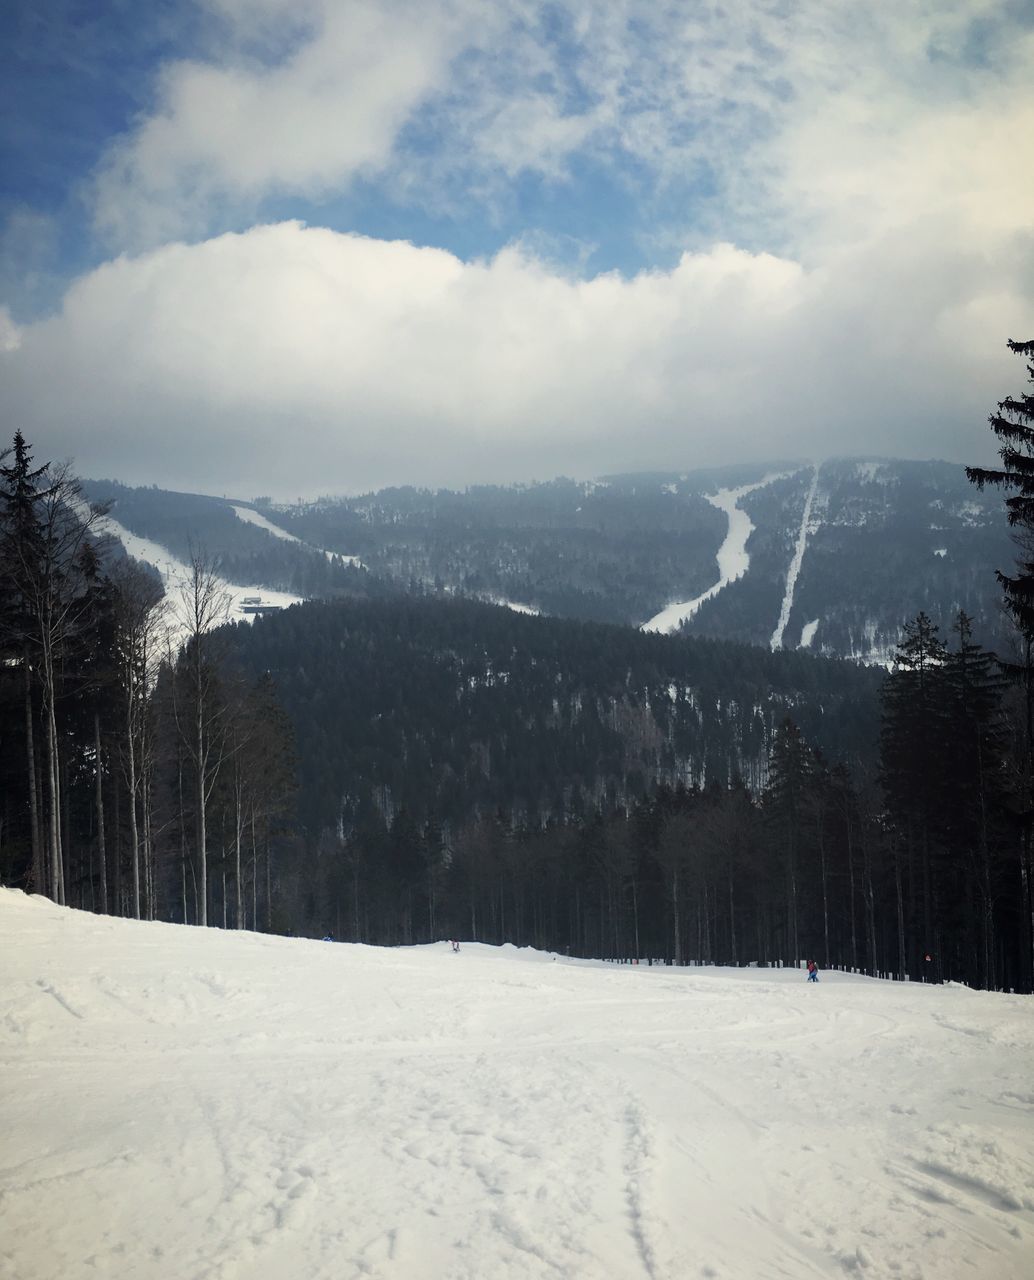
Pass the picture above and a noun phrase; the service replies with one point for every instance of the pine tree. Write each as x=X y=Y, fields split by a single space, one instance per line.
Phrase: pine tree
x=790 y=776
x=1013 y=424
x=974 y=798
x=46 y=525
x=912 y=746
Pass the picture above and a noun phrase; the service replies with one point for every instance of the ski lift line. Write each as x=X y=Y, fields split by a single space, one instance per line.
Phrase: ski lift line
x=794 y=570
x=733 y=560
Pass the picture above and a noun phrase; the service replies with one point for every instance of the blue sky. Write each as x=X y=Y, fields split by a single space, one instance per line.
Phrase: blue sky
x=452 y=240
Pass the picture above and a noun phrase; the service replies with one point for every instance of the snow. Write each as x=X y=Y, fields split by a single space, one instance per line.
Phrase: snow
x=808 y=633
x=250 y=516
x=941 y=551
x=733 y=560
x=794 y=570
x=187 y=1104
x=176 y=576
x=870 y=471
x=503 y=603
x=869 y=652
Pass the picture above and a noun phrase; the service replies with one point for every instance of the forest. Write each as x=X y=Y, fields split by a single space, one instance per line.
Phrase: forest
x=394 y=768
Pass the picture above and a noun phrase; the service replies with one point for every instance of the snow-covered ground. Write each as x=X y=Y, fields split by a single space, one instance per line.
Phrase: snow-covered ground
x=176 y=576
x=808 y=632
x=186 y=1103
x=794 y=571
x=733 y=560
x=250 y=516
x=513 y=605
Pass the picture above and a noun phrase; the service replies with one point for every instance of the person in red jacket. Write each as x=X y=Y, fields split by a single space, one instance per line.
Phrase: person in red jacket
x=813 y=971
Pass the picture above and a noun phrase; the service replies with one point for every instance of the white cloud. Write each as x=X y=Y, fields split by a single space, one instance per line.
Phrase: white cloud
x=302 y=361
x=10 y=334
x=876 y=150
x=228 y=132
x=780 y=113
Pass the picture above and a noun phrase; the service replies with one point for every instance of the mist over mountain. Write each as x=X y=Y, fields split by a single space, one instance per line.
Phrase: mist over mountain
x=836 y=556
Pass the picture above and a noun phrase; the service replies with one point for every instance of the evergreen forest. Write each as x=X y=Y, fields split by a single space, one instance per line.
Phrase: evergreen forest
x=394 y=767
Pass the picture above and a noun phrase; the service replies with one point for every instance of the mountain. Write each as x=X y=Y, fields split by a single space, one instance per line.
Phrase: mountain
x=834 y=557
x=446 y=708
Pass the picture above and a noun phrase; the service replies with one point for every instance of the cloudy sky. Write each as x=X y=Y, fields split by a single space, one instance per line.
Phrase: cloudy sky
x=314 y=246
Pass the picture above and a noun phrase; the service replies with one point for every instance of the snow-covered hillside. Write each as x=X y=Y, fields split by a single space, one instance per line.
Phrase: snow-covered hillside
x=198 y=1104
x=250 y=516
x=732 y=558
x=240 y=601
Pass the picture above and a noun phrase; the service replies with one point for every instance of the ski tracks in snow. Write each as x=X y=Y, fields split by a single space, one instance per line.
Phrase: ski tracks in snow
x=246 y=1108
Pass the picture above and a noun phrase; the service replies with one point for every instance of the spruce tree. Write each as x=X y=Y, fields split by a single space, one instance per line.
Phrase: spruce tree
x=1013 y=424
x=912 y=756
x=974 y=801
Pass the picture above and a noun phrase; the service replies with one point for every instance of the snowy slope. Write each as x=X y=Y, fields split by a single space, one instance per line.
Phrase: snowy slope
x=733 y=559
x=194 y=1104
x=176 y=575
x=250 y=516
x=794 y=571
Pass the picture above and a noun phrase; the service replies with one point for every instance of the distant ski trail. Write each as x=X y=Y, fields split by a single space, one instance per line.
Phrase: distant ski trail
x=795 y=564
x=176 y=577
x=732 y=557
x=250 y=516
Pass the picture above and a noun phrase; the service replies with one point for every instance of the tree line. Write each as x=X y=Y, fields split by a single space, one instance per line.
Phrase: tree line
x=141 y=774
x=397 y=770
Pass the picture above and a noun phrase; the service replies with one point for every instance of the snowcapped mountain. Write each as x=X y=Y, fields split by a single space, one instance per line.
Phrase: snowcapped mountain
x=830 y=556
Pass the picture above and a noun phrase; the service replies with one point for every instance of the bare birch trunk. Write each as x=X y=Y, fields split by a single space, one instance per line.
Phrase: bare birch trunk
x=102 y=856
x=39 y=872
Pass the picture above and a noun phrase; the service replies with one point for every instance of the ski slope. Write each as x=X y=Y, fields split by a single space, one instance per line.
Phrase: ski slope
x=176 y=577
x=794 y=571
x=187 y=1104
x=733 y=558
x=250 y=516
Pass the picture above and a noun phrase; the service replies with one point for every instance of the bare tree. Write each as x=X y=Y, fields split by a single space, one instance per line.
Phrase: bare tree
x=200 y=711
x=139 y=628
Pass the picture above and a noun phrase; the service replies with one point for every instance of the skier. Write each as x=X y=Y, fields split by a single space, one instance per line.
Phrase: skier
x=813 y=971
x=455 y=944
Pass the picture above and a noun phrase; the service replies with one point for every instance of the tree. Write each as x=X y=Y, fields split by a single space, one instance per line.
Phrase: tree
x=139 y=619
x=912 y=749
x=21 y=546
x=674 y=851
x=200 y=710
x=791 y=771
x=1013 y=424
x=46 y=525
x=974 y=801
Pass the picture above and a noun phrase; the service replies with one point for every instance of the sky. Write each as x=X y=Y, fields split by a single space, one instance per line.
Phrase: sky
x=322 y=246
x=408 y=1113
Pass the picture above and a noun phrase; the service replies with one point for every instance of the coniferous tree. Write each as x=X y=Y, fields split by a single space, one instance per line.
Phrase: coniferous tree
x=912 y=746
x=46 y=526
x=1013 y=424
x=974 y=802
x=791 y=770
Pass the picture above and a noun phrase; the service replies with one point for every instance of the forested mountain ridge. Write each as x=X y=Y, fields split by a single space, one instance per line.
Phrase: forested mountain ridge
x=451 y=709
x=839 y=555
x=385 y=768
